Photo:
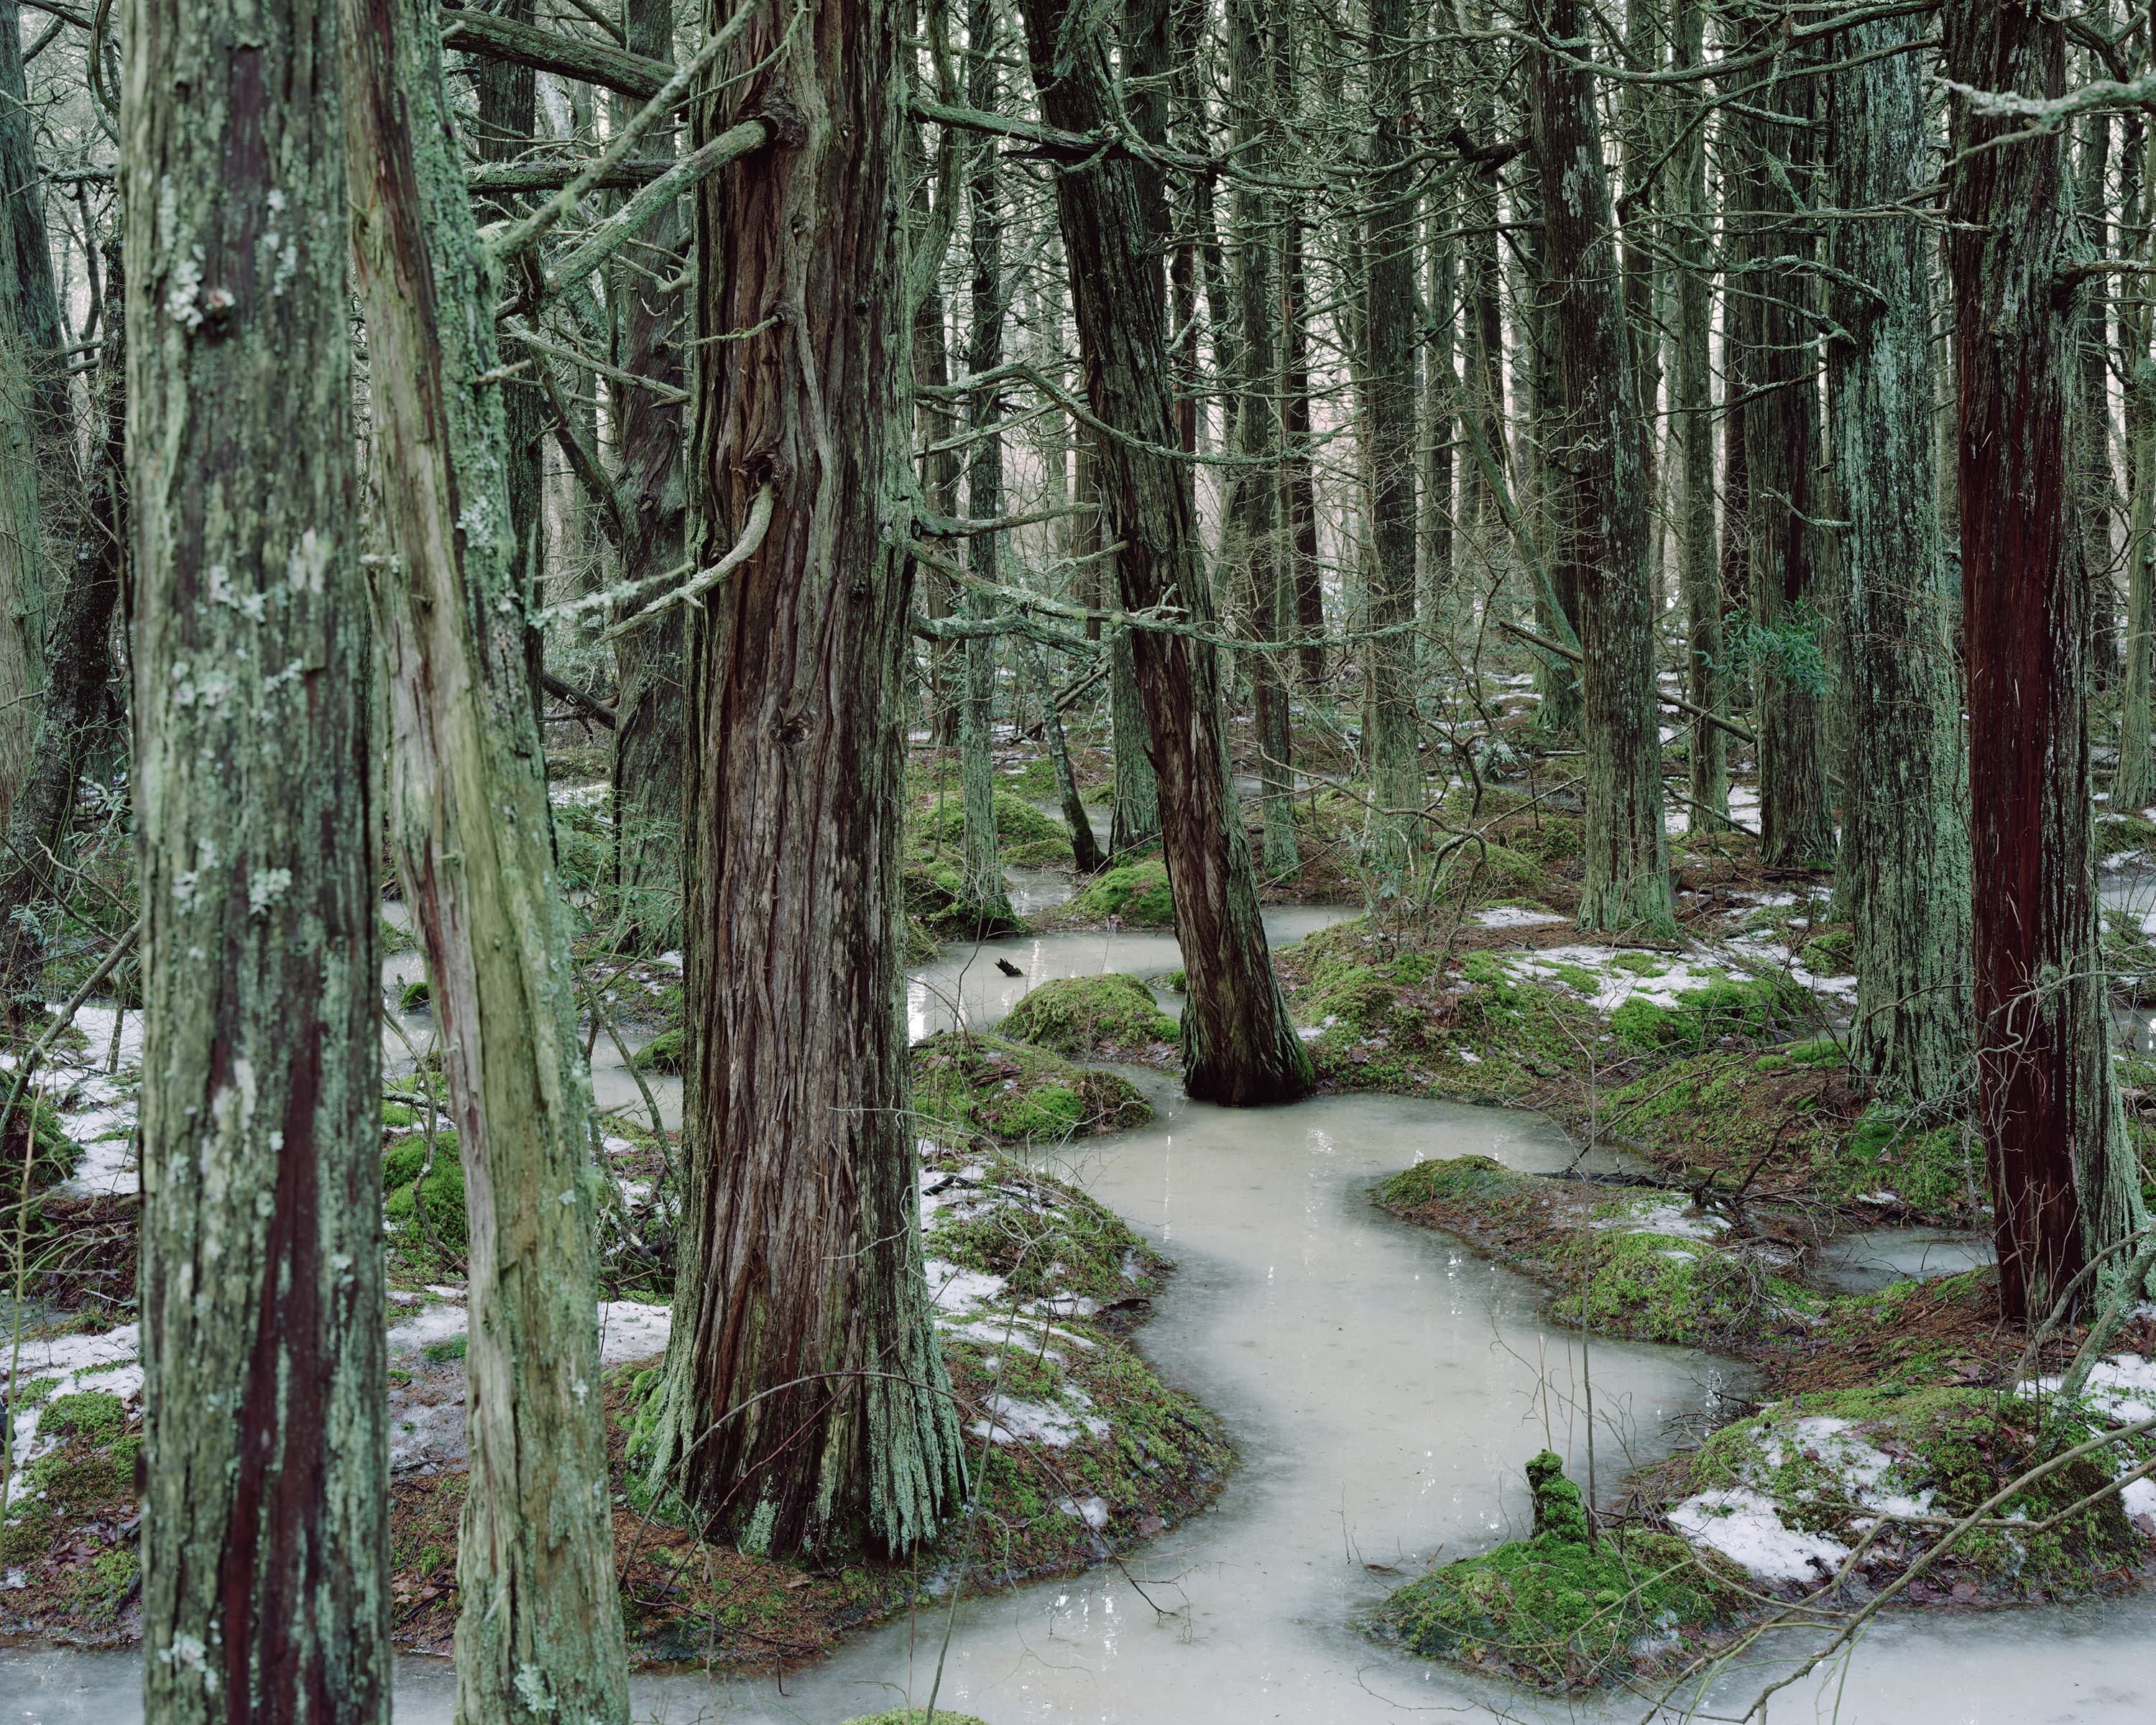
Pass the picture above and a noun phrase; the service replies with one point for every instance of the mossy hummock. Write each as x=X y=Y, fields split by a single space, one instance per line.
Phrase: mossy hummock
x=1095 y=1017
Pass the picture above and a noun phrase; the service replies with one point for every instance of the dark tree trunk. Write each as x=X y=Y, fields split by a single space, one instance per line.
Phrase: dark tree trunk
x=2063 y=1183
x=1238 y=1045
x=648 y=730
x=1298 y=475
x=508 y=115
x=1906 y=847
x=79 y=674
x=1392 y=730
x=265 y=1542
x=2092 y=411
x=40 y=490
x=1772 y=327
x=805 y=1406
x=1603 y=506
x=1698 y=578
x=983 y=895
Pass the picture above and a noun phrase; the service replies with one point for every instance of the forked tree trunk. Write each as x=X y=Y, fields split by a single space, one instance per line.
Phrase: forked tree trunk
x=2063 y=1181
x=265 y=1545
x=1906 y=841
x=539 y=1625
x=1392 y=730
x=1238 y=1045
x=805 y=1407
x=647 y=736
x=1625 y=869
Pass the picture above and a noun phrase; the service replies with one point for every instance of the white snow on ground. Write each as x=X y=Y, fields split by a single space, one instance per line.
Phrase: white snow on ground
x=434 y=1323
x=954 y=1291
x=1743 y=1527
x=107 y=1363
x=1743 y=1523
x=1668 y=1218
x=628 y=1330
x=579 y=796
x=1056 y=1425
x=1613 y=986
x=1515 y=917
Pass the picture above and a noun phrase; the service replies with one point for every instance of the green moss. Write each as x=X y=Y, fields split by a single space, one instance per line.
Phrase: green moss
x=1015 y=1093
x=92 y=1415
x=1764 y=1009
x=34 y=1134
x=665 y=1053
x=1137 y=892
x=397 y=1115
x=1090 y=1015
x=447 y=1348
x=416 y=997
x=1020 y=827
x=1557 y=1611
x=2118 y=833
x=1830 y=953
x=443 y=1196
x=1937 y=1170
x=1497 y=871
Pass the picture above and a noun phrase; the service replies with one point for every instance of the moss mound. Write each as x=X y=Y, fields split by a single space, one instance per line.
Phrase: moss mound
x=932 y=886
x=1101 y=1016
x=1014 y=1093
x=1020 y=828
x=1503 y=873
x=665 y=1053
x=51 y=1156
x=1137 y=892
x=1046 y=1239
x=1763 y=1009
x=1556 y=1611
x=442 y=1194
x=416 y=997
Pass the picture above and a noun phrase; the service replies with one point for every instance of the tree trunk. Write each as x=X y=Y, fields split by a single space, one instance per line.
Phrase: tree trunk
x=2063 y=1181
x=1440 y=388
x=1257 y=89
x=2093 y=410
x=39 y=487
x=77 y=674
x=1298 y=475
x=539 y=1627
x=1481 y=285
x=1698 y=577
x=1905 y=833
x=2133 y=784
x=939 y=490
x=983 y=897
x=1625 y=869
x=265 y=1546
x=508 y=116
x=1085 y=849
x=1545 y=462
x=648 y=726
x=805 y=1407
x=1392 y=728
x=1238 y=1045
x=1773 y=326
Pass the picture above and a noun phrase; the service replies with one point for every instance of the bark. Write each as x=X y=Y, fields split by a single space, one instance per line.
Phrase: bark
x=508 y=116
x=983 y=895
x=1906 y=843
x=2063 y=1183
x=647 y=735
x=2092 y=409
x=939 y=490
x=39 y=487
x=1699 y=580
x=1772 y=327
x=1298 y=474
x=1256 y=87
x=1545 y=460
x=539 y=1629
x=1626 y=880
x=265 y=1545
x=1480 y=287
x=1238 y=1045
x=1085 y=849
x=79 y=671
x=1440 y=389
x=804 y=1406
x=1392 y=729
x=2133 y=785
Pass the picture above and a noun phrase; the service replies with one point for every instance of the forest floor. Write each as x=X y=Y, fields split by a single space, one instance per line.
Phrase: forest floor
x=1766 y=1208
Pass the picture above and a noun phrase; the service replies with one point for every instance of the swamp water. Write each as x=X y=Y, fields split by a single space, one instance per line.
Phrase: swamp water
x=1384 y=1386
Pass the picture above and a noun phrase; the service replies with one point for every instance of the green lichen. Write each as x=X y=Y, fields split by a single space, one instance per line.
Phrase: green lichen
x=1557 y=1611
x=1113 y=1016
